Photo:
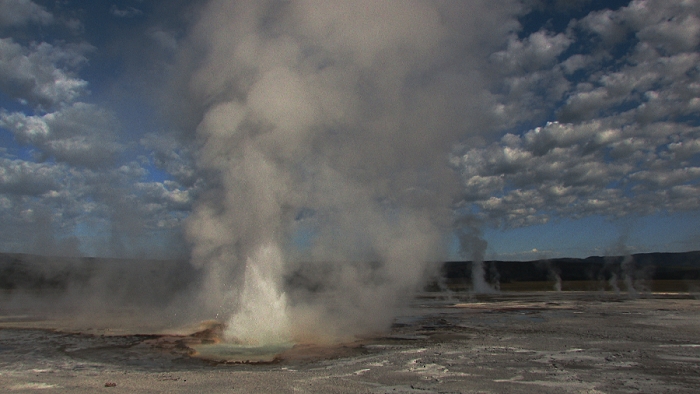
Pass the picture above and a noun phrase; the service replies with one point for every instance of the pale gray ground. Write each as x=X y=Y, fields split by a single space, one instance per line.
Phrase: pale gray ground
x=544 y=342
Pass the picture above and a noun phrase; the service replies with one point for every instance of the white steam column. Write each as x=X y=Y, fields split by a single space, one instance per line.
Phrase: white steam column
x=333 y=110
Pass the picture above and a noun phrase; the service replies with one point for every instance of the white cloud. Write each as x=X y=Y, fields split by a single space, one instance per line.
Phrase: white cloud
x=169 y=195
x=21 y=12
x=43 y=204
x=532 y=53
x=582 y=169
x=528 y=77
x=80 y=135
x=606 y=24
x=171 y=156
x=626 y=140
x=681 y=33
x=531 y=81
x=42 y=74
x=72 y=178
x=26 y=178
x=126 y=12
x=165 y=39
x=665 y=178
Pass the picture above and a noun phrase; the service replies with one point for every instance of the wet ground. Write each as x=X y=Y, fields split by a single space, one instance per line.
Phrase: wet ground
x=536 y=342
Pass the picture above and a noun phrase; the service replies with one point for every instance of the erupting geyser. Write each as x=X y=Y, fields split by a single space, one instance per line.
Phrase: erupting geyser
x=325 y=132
x=262 y=315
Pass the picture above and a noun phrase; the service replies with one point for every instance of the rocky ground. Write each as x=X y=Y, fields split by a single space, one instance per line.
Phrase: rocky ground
x=537 y=342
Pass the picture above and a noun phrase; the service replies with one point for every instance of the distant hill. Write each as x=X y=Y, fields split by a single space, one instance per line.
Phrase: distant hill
x=156 y=279
x=153 y=281
x=654 y=266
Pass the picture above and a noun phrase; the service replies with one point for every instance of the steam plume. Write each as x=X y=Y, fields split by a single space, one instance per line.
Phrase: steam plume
x=631 y=277
x=473 y=246
x=325 y=128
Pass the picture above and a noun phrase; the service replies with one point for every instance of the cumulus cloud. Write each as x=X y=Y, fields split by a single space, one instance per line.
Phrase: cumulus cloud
x=80 y=135
x=172 y=156
x=580 y=170
x=534 y=52
x=36 y=207
x=21 y=12
x=20 y=177
x=169 y=195
x=71 y=179
x=60 y=200
x=623 y=138
x=42 y=74
x=528 y=78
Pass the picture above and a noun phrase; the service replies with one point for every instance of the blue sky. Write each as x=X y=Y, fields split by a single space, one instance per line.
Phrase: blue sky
x=555 y=128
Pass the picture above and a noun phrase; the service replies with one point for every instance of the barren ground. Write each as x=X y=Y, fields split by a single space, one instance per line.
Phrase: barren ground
x=524 y=342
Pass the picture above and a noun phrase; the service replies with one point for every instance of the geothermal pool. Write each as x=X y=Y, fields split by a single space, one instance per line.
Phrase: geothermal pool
x=526 y=342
